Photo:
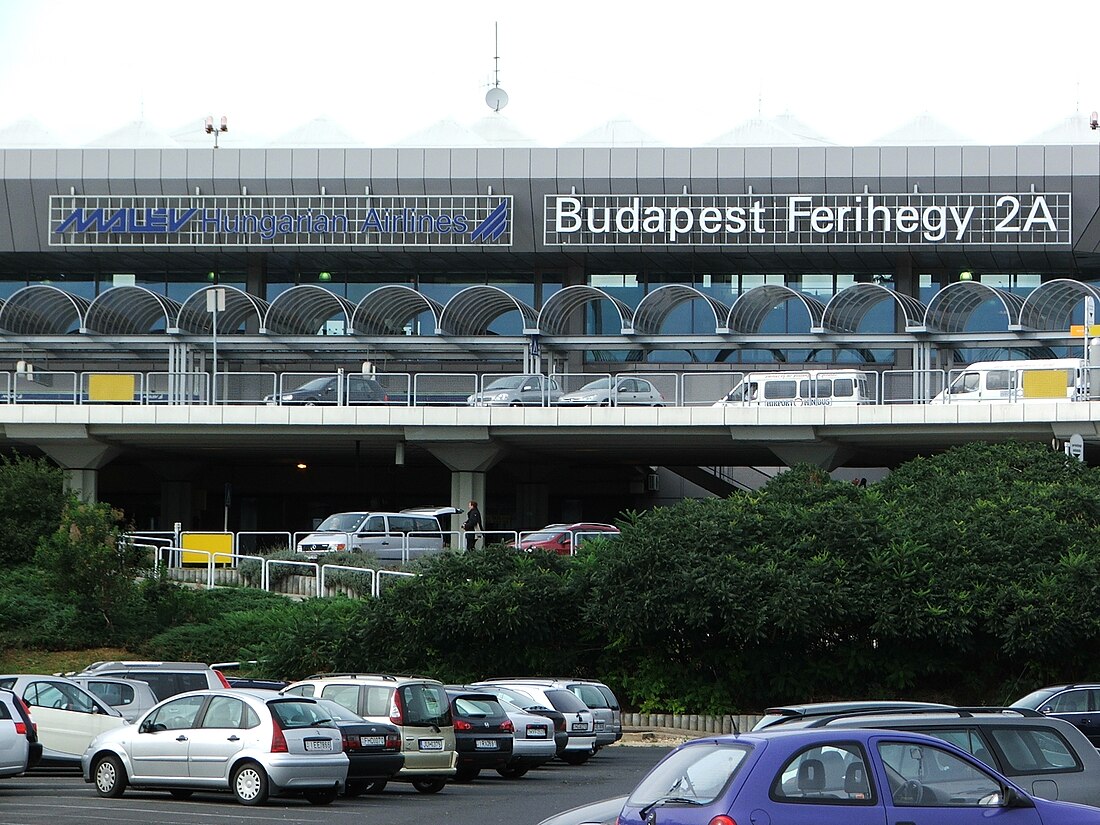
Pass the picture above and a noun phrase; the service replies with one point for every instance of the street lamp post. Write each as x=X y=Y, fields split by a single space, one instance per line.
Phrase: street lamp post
x=211 y=129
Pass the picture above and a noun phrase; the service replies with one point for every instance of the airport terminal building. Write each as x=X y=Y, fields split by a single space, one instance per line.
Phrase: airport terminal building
x=430 y=260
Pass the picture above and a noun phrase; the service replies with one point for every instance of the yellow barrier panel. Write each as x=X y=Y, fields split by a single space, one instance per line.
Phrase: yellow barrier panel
x=108 y=387
x=1078 y=330
x=215 y=543
x=1044 y=384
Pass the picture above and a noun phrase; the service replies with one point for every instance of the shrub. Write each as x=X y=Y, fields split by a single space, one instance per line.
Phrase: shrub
x=31 y=498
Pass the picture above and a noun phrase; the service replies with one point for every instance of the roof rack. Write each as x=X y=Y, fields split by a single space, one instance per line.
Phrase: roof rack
x=386 y=676
x=961 y=712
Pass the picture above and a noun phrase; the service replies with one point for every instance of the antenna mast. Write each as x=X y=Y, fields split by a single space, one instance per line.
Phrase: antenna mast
x=496 y=98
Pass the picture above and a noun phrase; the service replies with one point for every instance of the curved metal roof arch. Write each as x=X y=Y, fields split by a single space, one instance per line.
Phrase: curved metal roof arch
x=847 y=309
x=653 y=310
x=129 y=310
x=1049 y=306
x=43 y=309
x=753 y=306
x=951 y=308
x=471 y=311
x=562 y=304
x=304 y=309
x=240 y=308
x=388 y=309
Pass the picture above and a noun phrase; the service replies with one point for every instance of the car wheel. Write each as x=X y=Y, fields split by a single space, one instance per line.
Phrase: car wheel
x=110 y=777
x=467 y=774
x=576 y=757
x=250 y=784
x=516 y=404
x=325 y=796
x=375 y=787
x=181 y=793
x=508 y=772
x=353 y=789
x=429 y=784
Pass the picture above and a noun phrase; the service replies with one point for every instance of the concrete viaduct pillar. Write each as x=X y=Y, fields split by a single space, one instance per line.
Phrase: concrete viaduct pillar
x=69 y=446
x=469 y=454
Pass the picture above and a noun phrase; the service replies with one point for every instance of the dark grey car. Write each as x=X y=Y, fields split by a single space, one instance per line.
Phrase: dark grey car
x=1077 y=704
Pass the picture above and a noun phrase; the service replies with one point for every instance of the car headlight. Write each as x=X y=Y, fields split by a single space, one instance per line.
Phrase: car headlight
x=500 y=396
x=584 y=398
x=288 y=396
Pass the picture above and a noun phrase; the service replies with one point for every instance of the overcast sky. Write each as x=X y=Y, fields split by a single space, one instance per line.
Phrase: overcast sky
x=685 y=70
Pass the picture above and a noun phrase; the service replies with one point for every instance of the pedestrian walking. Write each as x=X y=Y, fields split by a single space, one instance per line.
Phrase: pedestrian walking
x=472 y=525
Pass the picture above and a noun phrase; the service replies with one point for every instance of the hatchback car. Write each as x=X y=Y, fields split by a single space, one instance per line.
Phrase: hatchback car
x=483 y=732
x=165 y=678
x=373 y=749
x=517 y=391
x=835 y=777
x=418 y=707
x=16 y=755
x=326 y=390
x=625 y=392
x=130 y=697
x=787 y=714
x=1078 y=704
x=564 y=539
x=68 y=717
x=253 y=743
x=603 y=716
x=532 y=738
x=529 y=705
x=579 y=721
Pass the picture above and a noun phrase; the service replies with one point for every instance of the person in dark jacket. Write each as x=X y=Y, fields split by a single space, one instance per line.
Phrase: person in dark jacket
x=472 y=525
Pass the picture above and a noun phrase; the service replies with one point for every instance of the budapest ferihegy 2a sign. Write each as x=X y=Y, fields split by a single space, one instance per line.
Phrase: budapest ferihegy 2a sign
x=278 y=220
x=890 y=219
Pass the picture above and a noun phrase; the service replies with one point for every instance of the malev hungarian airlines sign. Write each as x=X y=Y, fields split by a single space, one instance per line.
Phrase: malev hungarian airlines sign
x=340 y=220
x=916 y=219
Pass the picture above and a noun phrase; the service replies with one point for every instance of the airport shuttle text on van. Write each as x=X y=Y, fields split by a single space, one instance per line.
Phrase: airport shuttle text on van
x=809 y=388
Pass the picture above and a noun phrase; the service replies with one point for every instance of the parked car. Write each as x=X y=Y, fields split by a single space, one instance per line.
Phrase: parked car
x=130 y=697
x=625 y=392
x=517 y=391
x=257 y=684
x=373 y=749
x=21 y=712
x=165 y=678
x=326 y=390
x=483 y=732
x=580 y=723
x=253 y=743
x=15 y=744
x=528 y=704
x=603 y=716
x=418 y=707
x=841 y=776
x=1049 y=758
x=388 y=536
x=533 y=743
x=563 y=539
x=604 y=812
x=787 y=714
x=68 y=717
x=1078 y=704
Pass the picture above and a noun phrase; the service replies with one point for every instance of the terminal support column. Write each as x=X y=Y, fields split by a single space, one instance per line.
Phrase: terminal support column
x=469 y=454
x=69 y=446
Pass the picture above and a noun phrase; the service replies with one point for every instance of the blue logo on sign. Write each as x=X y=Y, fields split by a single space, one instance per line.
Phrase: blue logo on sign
x=493 y=226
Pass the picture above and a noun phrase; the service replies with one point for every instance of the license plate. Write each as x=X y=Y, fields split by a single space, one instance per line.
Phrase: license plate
x=318 y=744
x=599 y=726
x=372 y=741
x=580 y=726
x=431 y=744
x=536 y=733
x=486 y=744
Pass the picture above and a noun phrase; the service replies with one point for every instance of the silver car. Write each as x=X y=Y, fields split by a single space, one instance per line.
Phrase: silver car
x=603 y=716
x=130 y=697
x=532 y=740
x=517 y=391
x=255 y=743
x=625 y=392
x=15 y=747
x=579 y=722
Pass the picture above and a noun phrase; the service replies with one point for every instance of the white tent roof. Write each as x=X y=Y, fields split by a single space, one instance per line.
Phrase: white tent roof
x=1073 y=129
x=137 y=134
x=923 y=130
x=499 y=130
x=318 y=133
x=757 y=132
x=809 y=135
x=617 y=133
x=193 y=136
x=27 y=134
x=445 y=134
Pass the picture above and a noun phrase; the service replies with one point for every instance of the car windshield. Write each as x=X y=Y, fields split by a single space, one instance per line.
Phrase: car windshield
x=542 y=536
x=510 y=383
x=314 y=385
x=294 y=713
x=1036 y=699
x=600 y=384
x=697 y=773
x=341 y=522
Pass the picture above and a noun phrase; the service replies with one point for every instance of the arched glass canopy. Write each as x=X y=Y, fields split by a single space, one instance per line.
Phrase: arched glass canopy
x=754 y=305
x=951 y=308
x=847 y=309
x=42 y=309
x=471 y=311
x=240 y=308
x=559 y=307
x=389 y=309
x=130 y=310
x=1051 y=306
x=305 y=309
x=653 y=310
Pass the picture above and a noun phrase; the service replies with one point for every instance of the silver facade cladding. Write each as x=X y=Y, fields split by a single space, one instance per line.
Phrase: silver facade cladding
x=281 y=221
x=865 y=219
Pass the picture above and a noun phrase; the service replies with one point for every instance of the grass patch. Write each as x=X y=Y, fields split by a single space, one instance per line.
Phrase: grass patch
x=17 y=660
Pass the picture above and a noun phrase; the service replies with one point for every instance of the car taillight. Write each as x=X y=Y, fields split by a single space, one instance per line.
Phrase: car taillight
x=397 y=709
x=352 y=743
x=559 y=724
x=278 y=740
x=462 y=724
x=506 y=726
x=223 y=680
x=340 y=548
x=393 y=742
x=21 y=728
x=722 y=819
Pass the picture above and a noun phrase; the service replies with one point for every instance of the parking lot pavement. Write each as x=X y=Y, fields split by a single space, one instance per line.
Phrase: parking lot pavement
x=62 y=798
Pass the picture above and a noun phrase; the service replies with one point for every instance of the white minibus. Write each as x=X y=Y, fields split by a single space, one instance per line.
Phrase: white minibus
x=1033 y=380
x=798 y=389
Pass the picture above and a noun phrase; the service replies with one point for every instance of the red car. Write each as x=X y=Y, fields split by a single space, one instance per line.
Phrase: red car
x=564 y=538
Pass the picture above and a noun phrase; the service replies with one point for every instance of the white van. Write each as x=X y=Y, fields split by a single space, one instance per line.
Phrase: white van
x=388 y=536
x=1008 y=381
x=797 y=389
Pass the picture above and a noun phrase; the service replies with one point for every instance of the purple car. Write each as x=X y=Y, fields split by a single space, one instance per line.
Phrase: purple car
x=835 y=777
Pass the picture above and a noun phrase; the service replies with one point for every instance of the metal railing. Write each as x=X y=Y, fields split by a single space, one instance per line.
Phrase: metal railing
x=703 y=388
